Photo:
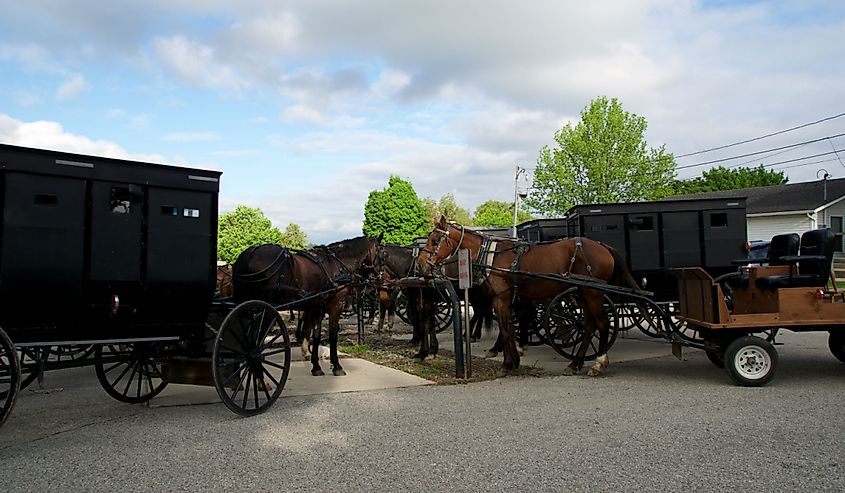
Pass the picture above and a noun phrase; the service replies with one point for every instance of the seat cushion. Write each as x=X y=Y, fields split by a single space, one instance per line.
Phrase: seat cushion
x=785 y=281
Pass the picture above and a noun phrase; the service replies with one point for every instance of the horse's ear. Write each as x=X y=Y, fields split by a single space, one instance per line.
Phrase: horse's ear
x=444 y=223
x=381 y=237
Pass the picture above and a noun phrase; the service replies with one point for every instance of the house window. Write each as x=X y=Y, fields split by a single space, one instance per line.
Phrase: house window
x=836 y=225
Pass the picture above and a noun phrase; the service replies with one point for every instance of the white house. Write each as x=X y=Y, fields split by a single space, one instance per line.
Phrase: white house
x=791 y=208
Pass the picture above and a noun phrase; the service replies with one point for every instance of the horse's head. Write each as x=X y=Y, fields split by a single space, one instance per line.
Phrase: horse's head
x=441 y=244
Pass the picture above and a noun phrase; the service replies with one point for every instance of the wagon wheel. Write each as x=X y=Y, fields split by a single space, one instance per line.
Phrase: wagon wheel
x=565 y=325
x=70 y=353
x=650 y=323
x=751 y=361
x=442 y=315
x=251 y=358
x=130 y=373
x=537 y=334
x=836 y=343
x=625 y=313
x=10 y=376
x=402 y=307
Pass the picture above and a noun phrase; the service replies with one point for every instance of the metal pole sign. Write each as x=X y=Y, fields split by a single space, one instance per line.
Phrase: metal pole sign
x=464 y=269
x=464 y=282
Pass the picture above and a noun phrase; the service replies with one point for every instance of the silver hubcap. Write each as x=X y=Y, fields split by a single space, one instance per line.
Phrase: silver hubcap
x=752 y=362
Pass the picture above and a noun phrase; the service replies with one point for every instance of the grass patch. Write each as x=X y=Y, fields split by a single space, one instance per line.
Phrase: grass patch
x=385 y=351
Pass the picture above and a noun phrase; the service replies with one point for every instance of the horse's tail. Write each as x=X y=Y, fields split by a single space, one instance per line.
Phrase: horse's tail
x=621 y=275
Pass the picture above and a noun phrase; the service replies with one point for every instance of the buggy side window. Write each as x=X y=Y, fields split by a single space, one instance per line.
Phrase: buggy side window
x=46 y=199
x=120 y=200
x=719 y=220
x=643 y=223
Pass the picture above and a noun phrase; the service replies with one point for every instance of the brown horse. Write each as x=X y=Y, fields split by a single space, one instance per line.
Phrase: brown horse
x=314 y=281
x=505 y=284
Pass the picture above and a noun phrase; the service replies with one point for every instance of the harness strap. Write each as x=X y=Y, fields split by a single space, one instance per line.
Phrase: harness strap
x=579 y=247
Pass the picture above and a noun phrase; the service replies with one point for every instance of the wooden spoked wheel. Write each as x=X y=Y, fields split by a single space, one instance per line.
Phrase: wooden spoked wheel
x=251 y=358
x=442 y=315
x=565 y=326
x=10 y=376
x=130 y=373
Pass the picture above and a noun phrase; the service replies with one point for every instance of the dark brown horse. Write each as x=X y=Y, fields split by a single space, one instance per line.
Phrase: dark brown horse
x=505 y=285
x=315 y=281
x=400 y=261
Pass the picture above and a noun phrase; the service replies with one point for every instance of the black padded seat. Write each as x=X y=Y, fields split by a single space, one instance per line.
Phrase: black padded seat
x=814 y=260
x=781 y=246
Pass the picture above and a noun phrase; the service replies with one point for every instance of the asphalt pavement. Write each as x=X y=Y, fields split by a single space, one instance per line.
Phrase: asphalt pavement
x=652 y=423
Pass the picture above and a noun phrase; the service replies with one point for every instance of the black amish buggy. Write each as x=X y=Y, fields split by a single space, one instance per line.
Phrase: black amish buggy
x=117 y=257
x=655 y=237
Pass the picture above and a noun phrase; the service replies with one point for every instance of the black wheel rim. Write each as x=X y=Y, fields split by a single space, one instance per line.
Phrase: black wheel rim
x=402 y=308
x=10 y=376
x=252 y=357
x=565 y=327
x=442 y=315
x=130 y=373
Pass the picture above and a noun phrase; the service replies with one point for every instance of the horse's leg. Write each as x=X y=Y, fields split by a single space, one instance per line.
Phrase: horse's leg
x=391 y=314
x=589 y=300
x=334 y=328
x=411 y=297
x=506 y=336
x=303 y=333
x=315 y=347
x=423 y=323
x=525 y=316
x=602 y=325
x=433 y=343
x=381 y=311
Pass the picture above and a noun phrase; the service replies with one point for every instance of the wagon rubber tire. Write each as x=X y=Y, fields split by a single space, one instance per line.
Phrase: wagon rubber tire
x=134 y=373
x=249 y=336
x=10 y=376
x=836 y=343
x=751 y=361
x=715 y=357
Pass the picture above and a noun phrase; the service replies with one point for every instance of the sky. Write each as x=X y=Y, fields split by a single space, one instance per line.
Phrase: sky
x=306 y=107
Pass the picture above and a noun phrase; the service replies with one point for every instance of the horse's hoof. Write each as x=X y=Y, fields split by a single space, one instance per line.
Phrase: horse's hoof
x=419 y=356
x=521 y=350
x=569 y=371
x=317 y=373
x=339 y=372
x=430 y=357
x=594 y=372
x=490 y=354
x=306 y=356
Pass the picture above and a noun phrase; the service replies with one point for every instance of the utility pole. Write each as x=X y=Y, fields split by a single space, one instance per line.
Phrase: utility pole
x=519 y=171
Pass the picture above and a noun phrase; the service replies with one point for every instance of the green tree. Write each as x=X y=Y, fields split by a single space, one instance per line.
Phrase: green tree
x=603 y=158
x=447 y=206
x=241 y=229
x=294 y=237
x=720 y=178
x=499 y=214
x=396 y=212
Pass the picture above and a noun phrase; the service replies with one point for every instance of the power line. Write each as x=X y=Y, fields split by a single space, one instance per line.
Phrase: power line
x=762 y=136
x=758 y=152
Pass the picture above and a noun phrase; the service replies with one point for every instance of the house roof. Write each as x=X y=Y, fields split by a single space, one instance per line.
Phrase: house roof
x=792 y=197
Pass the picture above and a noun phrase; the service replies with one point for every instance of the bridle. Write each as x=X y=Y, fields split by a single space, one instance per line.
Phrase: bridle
x=434 y=258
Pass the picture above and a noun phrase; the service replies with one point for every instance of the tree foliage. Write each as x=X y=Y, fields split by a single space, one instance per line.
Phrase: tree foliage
x=294 y=237
x=448 y=207
x=720 y=178
x=396 y=212
x=603 y=158
x=241 y=229
x=499 y=214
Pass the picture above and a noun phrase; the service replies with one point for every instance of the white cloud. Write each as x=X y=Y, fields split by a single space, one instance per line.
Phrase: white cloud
x=303 y=114
x=72 y=88
x=51 y=135
x=197 y=64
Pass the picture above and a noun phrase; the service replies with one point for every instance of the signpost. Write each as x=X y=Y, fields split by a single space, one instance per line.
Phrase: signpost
x=465 y=282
